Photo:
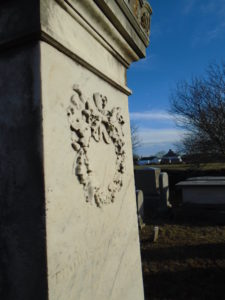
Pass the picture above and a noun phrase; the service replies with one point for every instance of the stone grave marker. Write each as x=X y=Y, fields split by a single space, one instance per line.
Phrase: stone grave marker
x=140 y=208
x=147 y=180
x=164 y=190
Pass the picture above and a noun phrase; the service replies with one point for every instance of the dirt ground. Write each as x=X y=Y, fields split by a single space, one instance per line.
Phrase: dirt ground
x=188 y=260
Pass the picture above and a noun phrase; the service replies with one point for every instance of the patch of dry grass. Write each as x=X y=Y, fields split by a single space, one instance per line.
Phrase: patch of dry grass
x=187 y=261
x=186 y=167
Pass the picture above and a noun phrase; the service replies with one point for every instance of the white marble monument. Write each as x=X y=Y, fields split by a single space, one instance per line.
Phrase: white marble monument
x=67 y=199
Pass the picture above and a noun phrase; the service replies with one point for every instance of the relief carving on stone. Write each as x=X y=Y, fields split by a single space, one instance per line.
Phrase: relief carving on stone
x=145 y=15
x=142 y=11
x=89 y=121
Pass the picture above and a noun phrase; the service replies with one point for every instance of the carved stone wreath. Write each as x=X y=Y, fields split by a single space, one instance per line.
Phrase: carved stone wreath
x=89 y=121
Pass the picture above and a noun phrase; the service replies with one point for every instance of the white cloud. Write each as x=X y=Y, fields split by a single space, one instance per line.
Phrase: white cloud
x=159 y=115
x=156 y=130
x=154 y=140
x=150 y=136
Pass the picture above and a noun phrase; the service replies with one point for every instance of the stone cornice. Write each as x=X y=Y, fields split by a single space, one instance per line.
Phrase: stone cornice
x=120 y=34
x=142 y=12
x=133 y=19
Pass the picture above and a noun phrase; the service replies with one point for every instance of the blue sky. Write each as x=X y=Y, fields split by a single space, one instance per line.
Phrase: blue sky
x=186 y=35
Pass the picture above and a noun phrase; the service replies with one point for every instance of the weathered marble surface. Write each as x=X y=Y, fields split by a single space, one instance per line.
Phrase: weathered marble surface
x=93 y=252
x=142 y=11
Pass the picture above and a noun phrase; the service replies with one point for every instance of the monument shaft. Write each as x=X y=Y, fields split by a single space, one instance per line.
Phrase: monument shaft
x=68 y=211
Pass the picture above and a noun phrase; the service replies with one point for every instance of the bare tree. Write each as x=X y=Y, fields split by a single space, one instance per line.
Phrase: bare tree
x=135 y=137
x=199 y=107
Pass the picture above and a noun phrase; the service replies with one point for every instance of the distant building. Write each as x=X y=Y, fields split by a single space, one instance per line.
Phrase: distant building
x=171 y=158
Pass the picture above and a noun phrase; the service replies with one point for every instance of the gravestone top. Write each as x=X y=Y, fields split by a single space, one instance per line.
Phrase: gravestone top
x=207 y=178
x=147 y=180
x=197 y=183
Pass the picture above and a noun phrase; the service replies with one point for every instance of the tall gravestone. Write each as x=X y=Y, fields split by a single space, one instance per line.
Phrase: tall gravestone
x=68 y=222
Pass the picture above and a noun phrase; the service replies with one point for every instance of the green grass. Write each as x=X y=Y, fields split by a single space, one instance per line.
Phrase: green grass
x=188 y=260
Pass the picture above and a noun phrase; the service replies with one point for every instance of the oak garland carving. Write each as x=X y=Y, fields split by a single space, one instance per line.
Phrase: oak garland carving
x=90 y=120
